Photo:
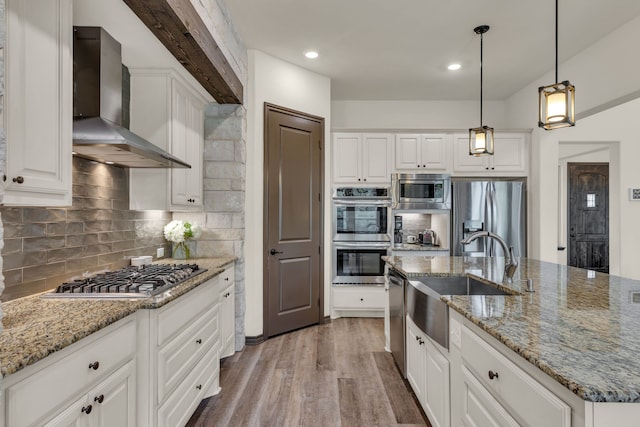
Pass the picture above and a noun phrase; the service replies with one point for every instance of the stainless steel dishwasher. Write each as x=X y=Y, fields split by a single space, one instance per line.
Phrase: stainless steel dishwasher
x=397 y=318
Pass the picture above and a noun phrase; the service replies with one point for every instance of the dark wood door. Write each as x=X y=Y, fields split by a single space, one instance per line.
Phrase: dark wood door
x=588 y=221
x=293 y=220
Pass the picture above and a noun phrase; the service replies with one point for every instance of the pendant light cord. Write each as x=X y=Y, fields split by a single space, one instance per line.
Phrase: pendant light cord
x=556 y=41
x=481 y=36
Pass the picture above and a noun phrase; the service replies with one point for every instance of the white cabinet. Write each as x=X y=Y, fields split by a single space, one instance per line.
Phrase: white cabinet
x=428 y=374
x=527 y=400
x=179 y=352
x=362 y=158
x=38 y=102
x=510 y=156
x=169 y=113
x=358 y=301
x=422 y=152
x=187 y=140
x=227 y=313
x=90 y=383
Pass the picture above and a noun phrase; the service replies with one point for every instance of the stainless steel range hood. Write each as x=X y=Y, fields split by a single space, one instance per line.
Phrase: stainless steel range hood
x=98 y=133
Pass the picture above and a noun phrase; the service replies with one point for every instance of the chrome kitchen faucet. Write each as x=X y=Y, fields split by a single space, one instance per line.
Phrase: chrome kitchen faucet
x=510 y=262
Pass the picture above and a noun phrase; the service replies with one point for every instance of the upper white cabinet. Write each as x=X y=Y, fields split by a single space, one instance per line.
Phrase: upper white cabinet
x=38 y=103
x=510 y=156
x=422 y=152
x=362 y=158
x=168 y=112
x=187 y=140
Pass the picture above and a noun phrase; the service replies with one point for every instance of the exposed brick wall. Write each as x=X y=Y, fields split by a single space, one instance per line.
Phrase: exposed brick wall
x=44 y=247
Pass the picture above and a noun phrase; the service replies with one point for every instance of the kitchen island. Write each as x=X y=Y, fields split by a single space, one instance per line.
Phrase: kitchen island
x=134 y=361
x=577 y=330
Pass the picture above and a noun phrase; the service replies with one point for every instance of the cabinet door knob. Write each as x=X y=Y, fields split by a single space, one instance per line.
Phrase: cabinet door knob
x=226 y=279
x=199 y=341
x=361 y=299
x=99 y=399
x=421 y=341
x=18 y=179
x=424 y=166
x=199 y=387
x=95 y=365
x=493 y=375
x=87 y=409
x=418 y=165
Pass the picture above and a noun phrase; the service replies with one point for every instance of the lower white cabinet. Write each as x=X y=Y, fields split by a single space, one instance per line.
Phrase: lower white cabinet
x=525 y=399
x=428 y=374
x=358 y=301
x=180 y=353
x=90 y=383
x=227 y=313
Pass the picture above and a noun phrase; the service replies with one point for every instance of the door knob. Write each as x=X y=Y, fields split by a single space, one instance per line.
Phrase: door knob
x=273 y=252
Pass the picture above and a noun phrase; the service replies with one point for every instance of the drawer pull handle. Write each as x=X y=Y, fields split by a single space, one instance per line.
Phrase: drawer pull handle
x=226 y=279
x=361 y=299
x=99 y=399
x=493 y=375
x=417 y=338
x=18 y=179
x=421 y=341
x=199 y=341
x=87 y=409
x=95 y=365
x=199 y=387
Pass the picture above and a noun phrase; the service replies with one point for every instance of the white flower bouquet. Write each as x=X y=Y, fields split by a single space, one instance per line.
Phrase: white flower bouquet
x=179 y=232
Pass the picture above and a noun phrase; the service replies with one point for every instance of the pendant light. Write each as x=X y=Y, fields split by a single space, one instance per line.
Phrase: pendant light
x=556 y=101
x=481 y=138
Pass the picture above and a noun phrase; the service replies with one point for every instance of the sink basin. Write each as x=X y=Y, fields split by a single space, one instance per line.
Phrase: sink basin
x=431 y=314
x=461 y=286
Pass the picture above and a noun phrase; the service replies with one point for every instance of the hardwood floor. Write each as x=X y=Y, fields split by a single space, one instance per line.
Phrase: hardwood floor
x=336 y=374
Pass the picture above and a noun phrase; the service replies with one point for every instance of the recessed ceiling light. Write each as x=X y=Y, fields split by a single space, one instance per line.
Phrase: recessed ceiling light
x=454 y=66
x=311 y=54
x=108 y=162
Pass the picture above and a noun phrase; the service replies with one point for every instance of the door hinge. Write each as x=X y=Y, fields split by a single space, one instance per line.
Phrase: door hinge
x=318 y=250
x=319 y=197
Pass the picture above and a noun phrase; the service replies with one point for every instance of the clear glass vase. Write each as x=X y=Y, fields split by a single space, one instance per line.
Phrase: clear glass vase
x=184 y=250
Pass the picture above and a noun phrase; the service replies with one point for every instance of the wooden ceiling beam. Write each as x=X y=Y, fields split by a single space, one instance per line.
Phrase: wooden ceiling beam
x=181 y=30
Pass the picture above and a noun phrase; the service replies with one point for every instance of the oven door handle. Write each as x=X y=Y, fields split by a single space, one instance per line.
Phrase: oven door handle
x=361 y=245
x=360 y=202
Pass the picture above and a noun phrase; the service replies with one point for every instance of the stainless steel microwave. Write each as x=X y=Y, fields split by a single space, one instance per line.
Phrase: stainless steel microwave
x=421 y=191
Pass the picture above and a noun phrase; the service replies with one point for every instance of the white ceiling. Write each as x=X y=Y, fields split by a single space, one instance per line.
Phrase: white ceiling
x=399 y=49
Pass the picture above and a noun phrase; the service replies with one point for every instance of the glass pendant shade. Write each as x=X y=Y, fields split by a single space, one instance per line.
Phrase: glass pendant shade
x=556 y=106
x=481 y=141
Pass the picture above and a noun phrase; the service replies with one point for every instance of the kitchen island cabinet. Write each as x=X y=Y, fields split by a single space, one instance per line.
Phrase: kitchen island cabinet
x=107 y=362
x=38 y=102
x=565 y=355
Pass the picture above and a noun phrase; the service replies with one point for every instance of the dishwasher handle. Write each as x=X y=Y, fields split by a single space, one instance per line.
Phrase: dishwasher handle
x=395 y=279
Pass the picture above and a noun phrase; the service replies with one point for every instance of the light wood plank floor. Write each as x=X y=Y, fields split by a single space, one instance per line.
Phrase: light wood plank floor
x=336 y=374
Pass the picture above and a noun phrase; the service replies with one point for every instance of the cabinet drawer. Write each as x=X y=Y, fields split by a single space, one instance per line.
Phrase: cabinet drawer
x=174 y=316
x=180 y=405
x=179 y=355
x=480 y=408
x=30 y=399
x=361 y=297
x=525 y=398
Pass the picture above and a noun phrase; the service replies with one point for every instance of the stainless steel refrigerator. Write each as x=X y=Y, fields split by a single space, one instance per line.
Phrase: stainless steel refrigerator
x=495 y=205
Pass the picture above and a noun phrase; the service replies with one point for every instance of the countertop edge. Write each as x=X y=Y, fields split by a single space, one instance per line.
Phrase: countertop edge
x=23 y=336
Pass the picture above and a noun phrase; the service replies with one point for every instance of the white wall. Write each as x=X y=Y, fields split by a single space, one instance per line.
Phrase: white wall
x=281 y=83
x=607 y=86
x=407 y=115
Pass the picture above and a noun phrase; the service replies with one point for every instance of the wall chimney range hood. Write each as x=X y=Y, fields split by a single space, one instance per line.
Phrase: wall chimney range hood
x=98 y=133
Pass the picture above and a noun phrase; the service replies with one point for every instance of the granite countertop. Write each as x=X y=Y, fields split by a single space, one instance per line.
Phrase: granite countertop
x=417 y=247
x=34 y=327
x=579 y=327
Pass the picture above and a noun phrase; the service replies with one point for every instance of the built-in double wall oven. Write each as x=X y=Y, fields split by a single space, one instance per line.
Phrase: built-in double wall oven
x=360 y=234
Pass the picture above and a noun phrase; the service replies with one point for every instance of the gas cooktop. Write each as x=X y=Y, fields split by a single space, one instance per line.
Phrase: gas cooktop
x=130 y=282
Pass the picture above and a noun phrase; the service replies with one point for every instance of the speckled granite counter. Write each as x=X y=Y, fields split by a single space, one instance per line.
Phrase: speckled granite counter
x=578 y=327
x=34 y=327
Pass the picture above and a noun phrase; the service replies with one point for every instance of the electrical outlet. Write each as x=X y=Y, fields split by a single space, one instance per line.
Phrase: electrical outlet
x=160 y=253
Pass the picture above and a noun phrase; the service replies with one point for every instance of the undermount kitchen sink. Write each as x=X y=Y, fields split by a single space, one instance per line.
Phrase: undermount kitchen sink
x=430 y=313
